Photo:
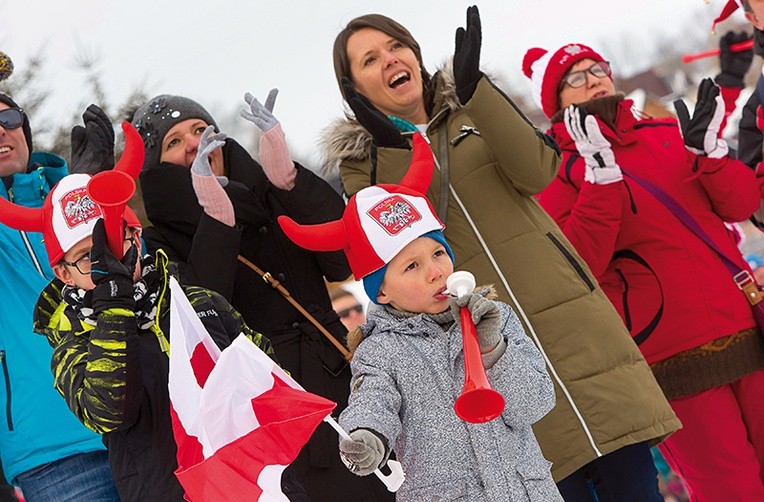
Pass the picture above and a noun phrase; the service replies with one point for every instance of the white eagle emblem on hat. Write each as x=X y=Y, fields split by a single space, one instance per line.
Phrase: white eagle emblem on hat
x=77 y=207
x=394 y=213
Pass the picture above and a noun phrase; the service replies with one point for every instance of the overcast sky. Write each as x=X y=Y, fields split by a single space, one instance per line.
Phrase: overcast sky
x=216 y=50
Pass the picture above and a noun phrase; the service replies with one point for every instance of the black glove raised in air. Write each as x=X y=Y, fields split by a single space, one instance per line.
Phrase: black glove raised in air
x=467 y=56
x=93 y=144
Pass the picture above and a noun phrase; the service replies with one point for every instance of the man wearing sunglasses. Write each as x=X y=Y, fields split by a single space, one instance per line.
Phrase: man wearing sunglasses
x=45 y=450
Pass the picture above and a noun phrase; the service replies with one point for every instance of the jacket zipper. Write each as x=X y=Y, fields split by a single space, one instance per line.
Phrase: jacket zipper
x=27 y=244
x=572 y=260
x=7 y=390
x=625 y=299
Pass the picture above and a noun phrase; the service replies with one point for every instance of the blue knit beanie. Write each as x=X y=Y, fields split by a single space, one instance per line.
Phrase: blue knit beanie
x=373 y=281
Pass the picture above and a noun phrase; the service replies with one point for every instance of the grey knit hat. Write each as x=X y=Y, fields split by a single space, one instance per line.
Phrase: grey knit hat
x=154 y=119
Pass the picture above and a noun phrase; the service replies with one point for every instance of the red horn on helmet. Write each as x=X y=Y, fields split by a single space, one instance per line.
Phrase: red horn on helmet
x=330 y=236
x=131 y=161
x=28 y=219
x=111 y=190
x=419 y=174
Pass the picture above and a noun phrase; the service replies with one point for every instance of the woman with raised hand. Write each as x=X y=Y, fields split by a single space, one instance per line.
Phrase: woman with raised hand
x=643 y=200
x=491 y=162
x=209 y=227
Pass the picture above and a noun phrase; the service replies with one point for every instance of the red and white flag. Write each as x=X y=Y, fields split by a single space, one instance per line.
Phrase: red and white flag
x=238 y=418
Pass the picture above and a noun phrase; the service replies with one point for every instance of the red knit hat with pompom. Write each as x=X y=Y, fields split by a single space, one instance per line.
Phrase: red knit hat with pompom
x=546 y=71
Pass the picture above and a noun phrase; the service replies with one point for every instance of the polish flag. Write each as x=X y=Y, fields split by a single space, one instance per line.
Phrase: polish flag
x=238 y=418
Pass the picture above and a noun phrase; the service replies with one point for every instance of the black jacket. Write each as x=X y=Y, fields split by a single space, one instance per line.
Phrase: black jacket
x=207 y=251
x=114 y=378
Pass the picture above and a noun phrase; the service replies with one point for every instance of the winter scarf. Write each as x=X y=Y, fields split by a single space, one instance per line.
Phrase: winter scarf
x=145 y=294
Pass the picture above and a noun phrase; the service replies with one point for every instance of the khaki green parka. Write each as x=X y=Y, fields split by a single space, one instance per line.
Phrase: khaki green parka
x=490 y=162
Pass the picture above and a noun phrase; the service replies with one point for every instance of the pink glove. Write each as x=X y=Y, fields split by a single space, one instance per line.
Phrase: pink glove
x=274 y=156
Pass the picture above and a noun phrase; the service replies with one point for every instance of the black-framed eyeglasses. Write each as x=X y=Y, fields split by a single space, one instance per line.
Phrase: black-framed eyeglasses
x=358 y=309
x=83 y=263
x=577 y=78
x=11 y=118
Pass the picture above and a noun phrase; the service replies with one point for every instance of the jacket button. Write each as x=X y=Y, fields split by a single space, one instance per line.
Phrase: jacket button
x=281 y=277
x=263 y=230
x=295 y=325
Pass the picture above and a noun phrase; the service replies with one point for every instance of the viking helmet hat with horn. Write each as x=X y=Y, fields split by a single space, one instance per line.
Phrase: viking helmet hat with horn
x=68 y=214
x=378 y=221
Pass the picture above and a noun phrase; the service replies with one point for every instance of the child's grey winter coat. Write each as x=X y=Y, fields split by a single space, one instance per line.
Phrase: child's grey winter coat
x=408 y=372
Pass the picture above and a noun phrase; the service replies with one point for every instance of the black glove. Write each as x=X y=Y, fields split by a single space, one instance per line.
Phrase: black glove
x=113 y=278
x=93 y=144
x=381 y=128
x=701 y=132
x=734 y=65
x=467 y=56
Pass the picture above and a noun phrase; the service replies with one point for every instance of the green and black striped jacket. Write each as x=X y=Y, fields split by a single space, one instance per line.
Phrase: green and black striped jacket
x=114 y=378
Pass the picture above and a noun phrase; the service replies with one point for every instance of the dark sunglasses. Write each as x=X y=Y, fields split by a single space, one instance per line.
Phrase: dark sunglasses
x=11 y=118
x=576 y=79
x=346 y=312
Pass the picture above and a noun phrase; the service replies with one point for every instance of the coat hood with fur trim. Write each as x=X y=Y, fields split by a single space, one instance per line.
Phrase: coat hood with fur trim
x=345 y=138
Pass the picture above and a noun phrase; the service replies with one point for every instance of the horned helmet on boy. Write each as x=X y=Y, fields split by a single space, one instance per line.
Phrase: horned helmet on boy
x=378 y=222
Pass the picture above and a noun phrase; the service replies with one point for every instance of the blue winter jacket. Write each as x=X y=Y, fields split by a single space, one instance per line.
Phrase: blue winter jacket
x=36 y=426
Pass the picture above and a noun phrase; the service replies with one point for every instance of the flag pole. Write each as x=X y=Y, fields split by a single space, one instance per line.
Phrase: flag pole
x=392 y=481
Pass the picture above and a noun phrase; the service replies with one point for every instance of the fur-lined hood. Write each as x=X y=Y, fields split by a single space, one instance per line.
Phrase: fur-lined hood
x=344 y=138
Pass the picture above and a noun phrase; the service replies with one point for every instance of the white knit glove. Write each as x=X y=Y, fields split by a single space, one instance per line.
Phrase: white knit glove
x=601 y=167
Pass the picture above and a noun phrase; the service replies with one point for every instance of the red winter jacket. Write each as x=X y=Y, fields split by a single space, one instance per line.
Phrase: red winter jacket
x=672 y=291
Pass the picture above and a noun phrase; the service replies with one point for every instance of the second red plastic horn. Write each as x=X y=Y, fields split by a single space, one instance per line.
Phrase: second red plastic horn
x=111 y=190
x=478 y=402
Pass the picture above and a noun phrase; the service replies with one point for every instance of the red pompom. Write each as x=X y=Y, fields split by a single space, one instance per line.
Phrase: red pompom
x=531 y=57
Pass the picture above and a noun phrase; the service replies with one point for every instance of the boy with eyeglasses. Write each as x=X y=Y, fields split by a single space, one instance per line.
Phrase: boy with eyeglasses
x=44 y=449
x=107 y=318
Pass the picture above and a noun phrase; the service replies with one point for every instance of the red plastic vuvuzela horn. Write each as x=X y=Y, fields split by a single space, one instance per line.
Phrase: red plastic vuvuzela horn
x=478 y=402
x=112 y=189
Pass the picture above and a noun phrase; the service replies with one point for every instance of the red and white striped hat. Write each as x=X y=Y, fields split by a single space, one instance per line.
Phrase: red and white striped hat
x=378 y=221
x=546 y=70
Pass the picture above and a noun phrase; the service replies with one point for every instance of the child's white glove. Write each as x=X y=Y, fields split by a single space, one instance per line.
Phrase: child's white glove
x=601 y=167
x=486 y=316
x=364 y=453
